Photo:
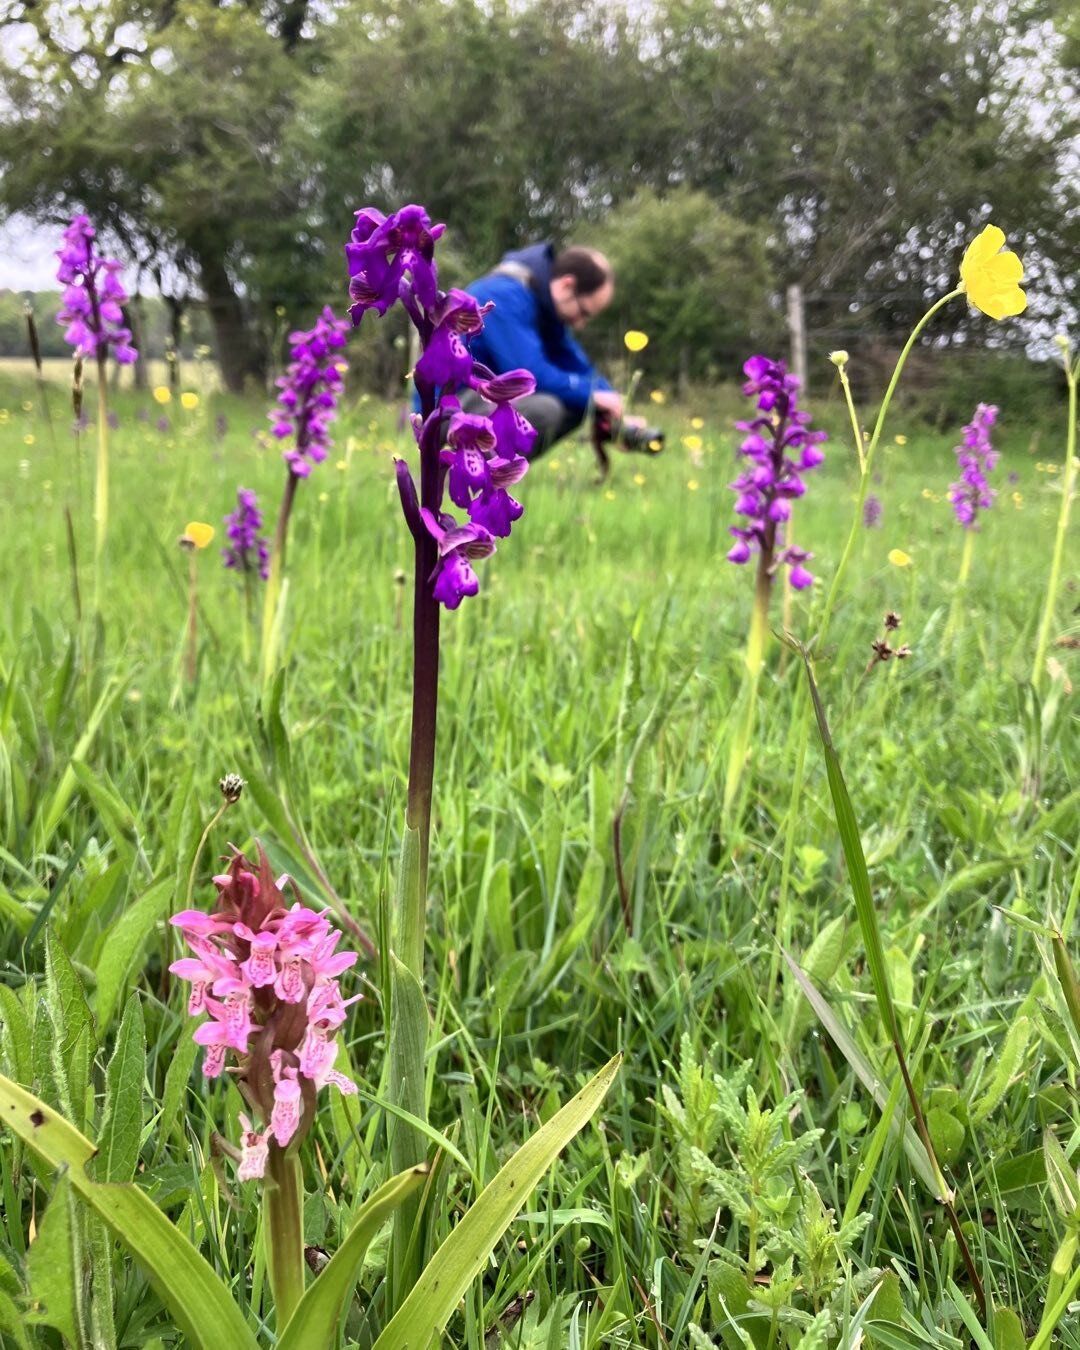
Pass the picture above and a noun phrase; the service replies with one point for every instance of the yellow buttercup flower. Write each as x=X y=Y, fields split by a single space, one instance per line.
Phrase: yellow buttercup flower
x=692 y=442
x=899 y=558
x=900 y=440
x=199 y=533
x=635 y=341
x=162 y=393
x=657 y=396
x=189 y=401
x=28 y=439
x=991 y=278
x=692 y=485
x=697 y=423
x=609 y=495
x=640 y=479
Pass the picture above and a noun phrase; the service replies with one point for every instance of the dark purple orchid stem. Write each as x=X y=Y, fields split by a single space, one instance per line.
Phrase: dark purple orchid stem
x=281 y=530
x=425 y=648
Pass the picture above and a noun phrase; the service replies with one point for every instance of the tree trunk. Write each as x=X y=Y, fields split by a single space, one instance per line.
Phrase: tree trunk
x=239 y=350
x=133 y=317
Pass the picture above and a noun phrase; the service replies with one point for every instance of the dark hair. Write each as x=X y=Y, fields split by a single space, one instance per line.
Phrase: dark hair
x=588 y=269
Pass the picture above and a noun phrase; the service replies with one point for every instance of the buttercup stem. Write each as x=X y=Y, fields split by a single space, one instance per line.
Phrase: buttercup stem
x=192 y=658
x=1068 y=483
x=866 y=462
x=283 y=1216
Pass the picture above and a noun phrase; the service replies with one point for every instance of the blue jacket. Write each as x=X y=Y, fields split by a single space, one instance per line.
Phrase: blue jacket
x=524 y=331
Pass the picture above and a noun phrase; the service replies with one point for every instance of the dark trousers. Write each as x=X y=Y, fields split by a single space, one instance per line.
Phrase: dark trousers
x=549 y=415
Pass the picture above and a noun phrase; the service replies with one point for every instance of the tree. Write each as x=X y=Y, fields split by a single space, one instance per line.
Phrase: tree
x=694 y=279
x=165 y=122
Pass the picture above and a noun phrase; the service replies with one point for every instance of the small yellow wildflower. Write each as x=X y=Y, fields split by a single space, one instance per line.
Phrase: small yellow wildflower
x=28 y=406
x=658 y=396
x=991 y=278
x=692 y=485
x=899 y=558
x=1018 y=499
x=5 y=416
x=555 y=465
x=199 y=533
x=927 y=493
x=697 y=423
x=1052 y=468
x=635 y=341
x=692 y=443
x=28 y=439
x=324 y=497
x=189 y=400
x=341 y=465
x=162 y=393
x=640 y=479
x=609 y=496
x=839 y=358
x=279 y=310
x=900 y=440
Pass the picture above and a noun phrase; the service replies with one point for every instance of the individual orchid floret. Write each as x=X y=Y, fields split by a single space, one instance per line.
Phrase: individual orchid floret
x=266 y=973
x=972 y=494
x=459 y=546
x=310 y=389
x=247 y=551
x=93 y=297
x=778 y=449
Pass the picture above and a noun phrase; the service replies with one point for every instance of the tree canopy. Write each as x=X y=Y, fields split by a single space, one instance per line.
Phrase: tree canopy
x=850 y=148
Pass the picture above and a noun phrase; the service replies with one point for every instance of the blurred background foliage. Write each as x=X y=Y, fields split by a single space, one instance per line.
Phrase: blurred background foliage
x=720 y=152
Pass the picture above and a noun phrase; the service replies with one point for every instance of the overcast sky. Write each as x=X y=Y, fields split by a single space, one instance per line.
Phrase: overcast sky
x=28 y=257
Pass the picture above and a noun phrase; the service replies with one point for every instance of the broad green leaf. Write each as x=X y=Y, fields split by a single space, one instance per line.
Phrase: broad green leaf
x=117 y=816
x=54 y=1266
x=1008 y=1330
x=406 y=1089
x=118 y=1145
x=124 y=943
x=99 y=1245
x=176 y=1085
x=448 y=1274
x=201 y=1305
x=1005 y=1065
x=12 y=1321
x=316 y=1316
x=16 y=1041
x=64 y=997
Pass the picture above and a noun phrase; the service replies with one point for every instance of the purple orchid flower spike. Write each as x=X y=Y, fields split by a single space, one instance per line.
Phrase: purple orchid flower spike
x=778 y=448
x=93 y=297
x=972 y=494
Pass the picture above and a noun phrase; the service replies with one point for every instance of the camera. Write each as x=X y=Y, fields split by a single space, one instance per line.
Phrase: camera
x=644 y=440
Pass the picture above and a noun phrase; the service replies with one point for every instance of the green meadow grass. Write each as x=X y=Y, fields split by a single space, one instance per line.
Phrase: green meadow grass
x=593 y=678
